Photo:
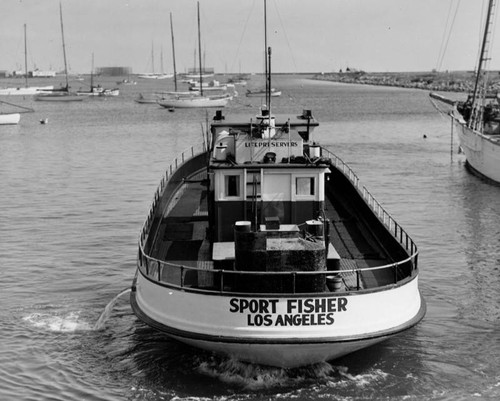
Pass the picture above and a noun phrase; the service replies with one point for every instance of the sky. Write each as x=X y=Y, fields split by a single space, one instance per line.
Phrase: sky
x=305 y=35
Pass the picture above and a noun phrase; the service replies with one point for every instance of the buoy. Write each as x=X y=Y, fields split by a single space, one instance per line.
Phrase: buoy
x=425 y=136
x=44 y=121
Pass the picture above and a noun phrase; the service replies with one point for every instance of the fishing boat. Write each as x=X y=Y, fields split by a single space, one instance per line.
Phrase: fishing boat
x=194 y=99
x=477 y=119
x=263 y=246
x=26 y=90
x=62 y=94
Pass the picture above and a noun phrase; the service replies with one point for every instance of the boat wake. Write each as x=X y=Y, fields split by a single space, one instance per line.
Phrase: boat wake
x=72 y=321
x=68 y=323
x=258 y=377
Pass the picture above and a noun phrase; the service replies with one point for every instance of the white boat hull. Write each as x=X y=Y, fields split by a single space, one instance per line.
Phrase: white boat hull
x=481 y=151
x=187 y=103
x=32 y=90
x=279 y=331
x=10 y=119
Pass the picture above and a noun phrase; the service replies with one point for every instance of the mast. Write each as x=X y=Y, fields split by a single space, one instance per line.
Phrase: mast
x=152 y=57
x=173 y=51
x=92 y=74
x=25 y=59
x=64 y=47
x=477 y=113
x=199 y=51
x=268 y=96
x=268 y=93
x=161 y=61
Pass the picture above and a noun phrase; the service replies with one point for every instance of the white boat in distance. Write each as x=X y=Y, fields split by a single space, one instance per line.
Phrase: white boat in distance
x=155 y=76
x=9 y=118
x=194 y=99
x=97 y=90
x=209 y=86
x=262 y=93
x=63 y=94
x=26 y=90
x=189 y=102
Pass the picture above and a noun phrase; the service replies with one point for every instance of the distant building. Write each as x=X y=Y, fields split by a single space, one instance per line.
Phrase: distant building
x=42 y=74
x=113 y=71
x=4 y=74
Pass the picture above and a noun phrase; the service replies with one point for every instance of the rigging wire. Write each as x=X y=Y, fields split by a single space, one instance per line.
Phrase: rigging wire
x=443 y=39
x=286 y=36
x=242 y=35
x=444 y=44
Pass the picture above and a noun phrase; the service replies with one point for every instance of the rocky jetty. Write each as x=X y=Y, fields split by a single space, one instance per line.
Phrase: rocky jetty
x=454 y=81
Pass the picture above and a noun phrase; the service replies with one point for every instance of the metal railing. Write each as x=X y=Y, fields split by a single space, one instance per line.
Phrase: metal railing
x=394 y=228
x=221 y=281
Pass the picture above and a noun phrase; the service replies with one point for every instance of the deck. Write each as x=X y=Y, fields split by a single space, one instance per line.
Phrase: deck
x=181 y=238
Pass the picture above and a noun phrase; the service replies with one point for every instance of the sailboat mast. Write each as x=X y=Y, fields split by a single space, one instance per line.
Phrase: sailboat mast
x=92 y=74
x=64 y=47
x=268 y=94
x=152 y=57
x=173 y=51
x=483 y=48
x=25 y=58
x=265 y=53
x=199 y=51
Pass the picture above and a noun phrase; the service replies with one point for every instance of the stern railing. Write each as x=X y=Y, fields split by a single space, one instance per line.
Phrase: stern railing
x=220 y=280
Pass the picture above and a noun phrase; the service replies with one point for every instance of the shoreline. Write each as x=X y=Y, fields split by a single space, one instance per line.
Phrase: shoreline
x=456 y=81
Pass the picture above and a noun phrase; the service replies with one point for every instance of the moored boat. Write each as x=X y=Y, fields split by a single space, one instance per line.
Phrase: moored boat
x=265 y=247
x=188 y=102
x=9 y=118
x=262 y=92
x=26 y=90
x=477 y=119
x=62 y=94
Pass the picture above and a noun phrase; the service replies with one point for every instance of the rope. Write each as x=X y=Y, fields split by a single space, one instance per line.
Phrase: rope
x=27 y=109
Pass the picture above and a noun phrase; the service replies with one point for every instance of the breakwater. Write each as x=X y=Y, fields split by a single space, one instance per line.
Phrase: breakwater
x=455 y=81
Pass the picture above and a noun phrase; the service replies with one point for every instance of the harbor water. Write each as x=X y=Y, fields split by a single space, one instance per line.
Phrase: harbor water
x=76 y=190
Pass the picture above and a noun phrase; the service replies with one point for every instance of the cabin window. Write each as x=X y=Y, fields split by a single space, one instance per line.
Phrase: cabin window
x=232 y=185
x=304 y=185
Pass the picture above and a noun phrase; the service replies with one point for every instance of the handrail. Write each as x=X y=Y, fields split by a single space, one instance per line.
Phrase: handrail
x=386 y=219
x=145 y=261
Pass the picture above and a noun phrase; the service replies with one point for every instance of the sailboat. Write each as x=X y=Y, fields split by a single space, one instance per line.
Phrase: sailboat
x=63 y=94
x=268 y=91
x=192 y=99
x=477 y=120
x=26 y=90
x=153 y=75
x=153 y=99
x=97 y=90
